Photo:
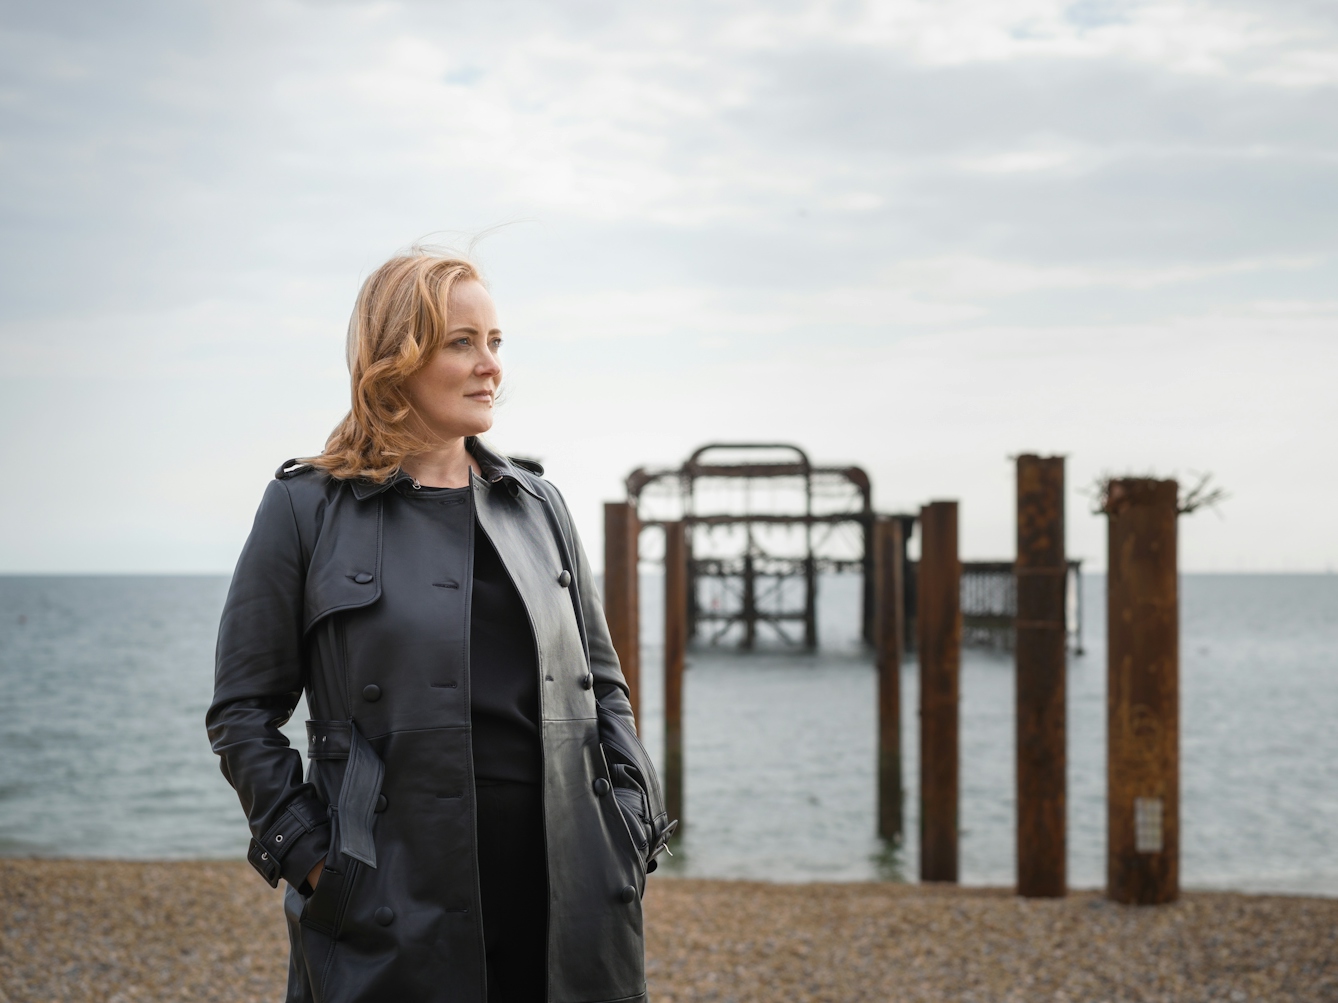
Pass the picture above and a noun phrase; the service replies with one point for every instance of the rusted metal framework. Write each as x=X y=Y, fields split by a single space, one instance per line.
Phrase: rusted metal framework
x=989 y=604
x=762 y=522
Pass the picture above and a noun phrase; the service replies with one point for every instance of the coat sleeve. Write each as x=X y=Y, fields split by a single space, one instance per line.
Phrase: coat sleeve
x=258 y=679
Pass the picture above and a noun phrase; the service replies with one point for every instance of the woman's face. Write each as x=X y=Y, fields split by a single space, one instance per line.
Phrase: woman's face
x=453 y=394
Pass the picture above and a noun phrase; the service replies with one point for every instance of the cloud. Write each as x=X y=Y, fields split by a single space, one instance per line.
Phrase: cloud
x=708 y=312
x=971 y=277
x=191 y=194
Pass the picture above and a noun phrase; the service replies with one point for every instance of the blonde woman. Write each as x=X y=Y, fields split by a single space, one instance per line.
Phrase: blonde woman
x=478 y=816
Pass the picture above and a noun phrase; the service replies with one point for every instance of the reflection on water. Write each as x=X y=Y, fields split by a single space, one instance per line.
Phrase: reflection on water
x=104 y=684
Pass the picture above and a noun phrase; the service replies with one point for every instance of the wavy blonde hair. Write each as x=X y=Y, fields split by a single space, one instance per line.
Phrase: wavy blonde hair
x=398 y=323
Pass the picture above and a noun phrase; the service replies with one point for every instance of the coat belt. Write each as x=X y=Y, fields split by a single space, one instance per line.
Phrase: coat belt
x=363 y=776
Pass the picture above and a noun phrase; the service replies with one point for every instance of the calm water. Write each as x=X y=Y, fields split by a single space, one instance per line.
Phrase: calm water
x=104 y=684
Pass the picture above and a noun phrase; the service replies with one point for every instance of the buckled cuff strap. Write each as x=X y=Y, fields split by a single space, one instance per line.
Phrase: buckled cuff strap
x=267 y=852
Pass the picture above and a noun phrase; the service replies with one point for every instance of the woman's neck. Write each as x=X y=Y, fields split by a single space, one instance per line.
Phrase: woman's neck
x=448 y=466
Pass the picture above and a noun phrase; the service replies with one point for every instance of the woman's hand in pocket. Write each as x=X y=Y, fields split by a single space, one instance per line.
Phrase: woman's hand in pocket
x=314 y=875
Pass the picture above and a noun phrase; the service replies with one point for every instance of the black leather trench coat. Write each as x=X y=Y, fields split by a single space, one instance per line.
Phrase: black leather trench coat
x=388 y=799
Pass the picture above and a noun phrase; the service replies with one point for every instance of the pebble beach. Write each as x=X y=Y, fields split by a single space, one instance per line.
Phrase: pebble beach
x=121 y=932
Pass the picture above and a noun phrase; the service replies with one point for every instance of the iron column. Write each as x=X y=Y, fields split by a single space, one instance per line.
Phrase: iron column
x=1143 y=698
x=940 y=645
x=675 y=652
x=622 y=532
x=890 y=638
x=1042 y=579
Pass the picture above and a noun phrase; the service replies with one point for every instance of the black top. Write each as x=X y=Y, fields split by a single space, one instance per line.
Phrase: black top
x=503 y=666
x=503 y=675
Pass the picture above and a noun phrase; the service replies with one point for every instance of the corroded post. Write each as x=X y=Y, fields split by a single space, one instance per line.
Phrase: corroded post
x=749 y=604
x=675 y=653
x=622 y=532
x=890 y=640
x=940 y=647
x=810 y=602
x=1042 y=579
x=1143 y=712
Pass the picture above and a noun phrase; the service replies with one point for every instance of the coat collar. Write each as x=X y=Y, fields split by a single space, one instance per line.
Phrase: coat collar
x=497 y=469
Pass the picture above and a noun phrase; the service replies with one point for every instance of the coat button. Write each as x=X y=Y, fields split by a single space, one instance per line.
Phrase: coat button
x=371 y=693
x=587 y=681
x=628 y=894
x=386 y=915
x=362 y=578
x=601 y=786
x=564 y=579
x=381 y=802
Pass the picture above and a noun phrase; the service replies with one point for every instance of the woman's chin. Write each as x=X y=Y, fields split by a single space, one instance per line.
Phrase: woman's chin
x=480 y=424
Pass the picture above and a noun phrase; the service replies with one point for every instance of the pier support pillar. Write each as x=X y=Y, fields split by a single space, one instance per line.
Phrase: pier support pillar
x=675 y=655
x=890 y=641
x=810 y=602
x=940 y=646
x=1143 y=713
x=1040 y=632
x=622 y=534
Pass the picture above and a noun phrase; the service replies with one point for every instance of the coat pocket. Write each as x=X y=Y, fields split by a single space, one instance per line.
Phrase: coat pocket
x=624 y=753
x=325 y=906
x=630 y=806
x=634 y=804
x=322 y=918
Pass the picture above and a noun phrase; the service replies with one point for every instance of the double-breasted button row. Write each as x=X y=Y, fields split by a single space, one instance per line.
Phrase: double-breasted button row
x=564 y=579
x=385 y=915
x=363 y=578
x=601 y=786
x=371 y=693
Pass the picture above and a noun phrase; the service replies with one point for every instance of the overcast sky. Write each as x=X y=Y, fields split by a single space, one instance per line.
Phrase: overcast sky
x=918 y=236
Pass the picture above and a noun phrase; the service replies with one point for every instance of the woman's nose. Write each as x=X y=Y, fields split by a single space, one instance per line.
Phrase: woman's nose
x=489 y=364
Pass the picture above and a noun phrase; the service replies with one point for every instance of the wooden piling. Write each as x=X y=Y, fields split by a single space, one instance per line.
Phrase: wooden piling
x=622 y=533
x=1040 y=635
x=940 y=645
x=675 y=654
x=890 y=641
x=1143 y=715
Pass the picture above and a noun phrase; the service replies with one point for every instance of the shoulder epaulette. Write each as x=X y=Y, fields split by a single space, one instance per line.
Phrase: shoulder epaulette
x=291 y=468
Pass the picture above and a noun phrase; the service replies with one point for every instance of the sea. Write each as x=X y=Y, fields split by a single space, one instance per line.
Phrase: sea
x=104 y=683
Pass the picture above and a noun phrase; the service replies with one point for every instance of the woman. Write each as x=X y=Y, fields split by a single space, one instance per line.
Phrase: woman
x=478 y=817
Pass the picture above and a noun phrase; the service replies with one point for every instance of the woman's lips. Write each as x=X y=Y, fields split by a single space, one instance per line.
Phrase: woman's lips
x=482 y=396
